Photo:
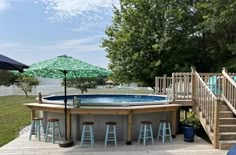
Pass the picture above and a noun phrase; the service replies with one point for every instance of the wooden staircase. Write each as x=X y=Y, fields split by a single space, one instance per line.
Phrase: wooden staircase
x=227 y=127
x=214 y=98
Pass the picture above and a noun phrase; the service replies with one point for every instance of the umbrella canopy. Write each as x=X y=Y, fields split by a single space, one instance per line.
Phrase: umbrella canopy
x=74 y=68
x=7 y=63
x=65 y=67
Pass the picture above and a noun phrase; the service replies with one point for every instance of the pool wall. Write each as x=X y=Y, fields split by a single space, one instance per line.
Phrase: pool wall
x=100 y=127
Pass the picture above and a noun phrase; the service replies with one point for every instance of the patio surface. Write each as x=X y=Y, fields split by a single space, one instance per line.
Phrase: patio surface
x=23 y=146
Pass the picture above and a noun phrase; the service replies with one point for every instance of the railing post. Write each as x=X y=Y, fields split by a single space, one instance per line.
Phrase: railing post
x=173 y=86
x=224 y=81
x=216 y=124
x=156 y=85
x=164 y=84
x=193 y=69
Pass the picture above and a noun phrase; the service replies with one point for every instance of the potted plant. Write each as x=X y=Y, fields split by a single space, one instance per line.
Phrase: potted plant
x=189 y=127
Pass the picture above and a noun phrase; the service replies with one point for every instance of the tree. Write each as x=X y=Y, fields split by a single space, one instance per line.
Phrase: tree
x=7 y=78
x=152 y=37
x=81 y=83
x=26 y=83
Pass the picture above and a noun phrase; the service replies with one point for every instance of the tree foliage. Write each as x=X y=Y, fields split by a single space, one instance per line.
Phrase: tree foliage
x=81 y=83
x=7 y=78
x=26 y=83
x=152 y=37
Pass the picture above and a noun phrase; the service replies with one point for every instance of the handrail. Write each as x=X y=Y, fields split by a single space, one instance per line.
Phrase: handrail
x=229 y=91
x=208 y=105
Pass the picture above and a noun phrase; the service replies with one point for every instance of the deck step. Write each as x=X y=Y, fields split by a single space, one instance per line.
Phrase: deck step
x=228 y=128
x=226 y=114
x=227 y=135
x=226 y=144
x=228 y=121
x=224 y=107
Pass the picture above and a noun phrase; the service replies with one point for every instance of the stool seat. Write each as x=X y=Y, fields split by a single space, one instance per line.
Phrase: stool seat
x=53 y=123
x=37 y=118
x=53 y=120
x=88 y=123
x=145 y=132
x=146 y=122
x=164 y=121
x=87 y=134
x=111 y=123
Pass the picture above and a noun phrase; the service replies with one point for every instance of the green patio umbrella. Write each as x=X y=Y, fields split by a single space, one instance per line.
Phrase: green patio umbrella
x=65 y=67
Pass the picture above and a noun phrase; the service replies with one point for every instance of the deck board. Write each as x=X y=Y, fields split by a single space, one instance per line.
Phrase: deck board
x=22 y=145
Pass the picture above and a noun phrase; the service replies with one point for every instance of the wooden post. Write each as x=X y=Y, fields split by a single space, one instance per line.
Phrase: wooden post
x=224 y=82
x=68 y=125
x=193 y=69
x=173 y=123
x=173 y=86
x=164 y=84
x=156 y=84
x=33 y=114
x=129 y=139
x=216 y=124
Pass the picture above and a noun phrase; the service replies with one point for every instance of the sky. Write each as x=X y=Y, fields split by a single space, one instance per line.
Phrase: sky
x=36 y=30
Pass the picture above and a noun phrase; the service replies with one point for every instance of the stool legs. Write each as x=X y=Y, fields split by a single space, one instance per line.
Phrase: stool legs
x=111 y=138
x=145 y=133
x=164 y=131
x=53 y=125
x=90 y=135
x=36 y=126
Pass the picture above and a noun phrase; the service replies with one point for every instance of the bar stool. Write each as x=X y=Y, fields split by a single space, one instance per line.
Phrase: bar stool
x=36 y=125
x=164 y=130
x=53 y=123
x=111 y=133
x=145 y=132
x=87 y=133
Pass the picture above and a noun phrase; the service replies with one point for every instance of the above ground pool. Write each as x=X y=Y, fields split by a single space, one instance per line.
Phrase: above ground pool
x=108 y=99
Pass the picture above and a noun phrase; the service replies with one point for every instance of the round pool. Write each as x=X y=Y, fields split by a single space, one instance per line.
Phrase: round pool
x=108 y=99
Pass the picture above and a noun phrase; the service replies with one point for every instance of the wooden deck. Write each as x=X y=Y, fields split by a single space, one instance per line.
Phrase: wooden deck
x=22 y=145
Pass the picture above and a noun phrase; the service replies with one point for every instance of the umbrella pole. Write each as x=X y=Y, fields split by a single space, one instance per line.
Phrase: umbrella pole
x=67 y=142
x=65 y=109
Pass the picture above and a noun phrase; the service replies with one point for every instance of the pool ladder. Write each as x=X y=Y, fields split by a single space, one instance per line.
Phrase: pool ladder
x=169 y=92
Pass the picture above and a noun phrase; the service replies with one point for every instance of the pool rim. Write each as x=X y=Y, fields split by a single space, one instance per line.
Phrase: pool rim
x=122 y=104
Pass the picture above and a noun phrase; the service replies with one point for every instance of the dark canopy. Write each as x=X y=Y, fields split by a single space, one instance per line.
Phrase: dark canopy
x=7 y=63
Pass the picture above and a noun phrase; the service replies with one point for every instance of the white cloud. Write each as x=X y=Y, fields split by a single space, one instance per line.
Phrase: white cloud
x=4 y=5
x=65 y=9
x=88 y=44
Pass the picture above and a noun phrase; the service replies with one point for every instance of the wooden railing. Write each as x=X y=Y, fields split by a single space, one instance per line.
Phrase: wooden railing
x=229 y=90
x=163 y=84
x=181 y=90
x=208 y=105
x=213 y=81
x=182 y=86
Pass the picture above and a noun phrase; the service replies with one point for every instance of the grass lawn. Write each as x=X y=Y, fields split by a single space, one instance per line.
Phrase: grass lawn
x=13 y=116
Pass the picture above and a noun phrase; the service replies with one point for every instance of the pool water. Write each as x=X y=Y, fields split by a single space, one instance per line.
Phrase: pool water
x=109 y=99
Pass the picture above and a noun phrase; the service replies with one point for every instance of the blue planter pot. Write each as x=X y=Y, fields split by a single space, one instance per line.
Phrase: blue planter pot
x=189 y=133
